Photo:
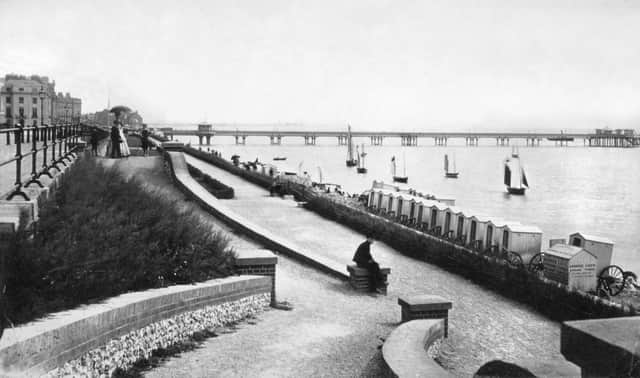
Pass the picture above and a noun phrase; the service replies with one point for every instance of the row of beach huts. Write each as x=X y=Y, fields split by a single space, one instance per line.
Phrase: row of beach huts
x=576 y=263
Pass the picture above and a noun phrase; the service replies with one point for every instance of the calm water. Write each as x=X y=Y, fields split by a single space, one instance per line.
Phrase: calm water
x=591 y=190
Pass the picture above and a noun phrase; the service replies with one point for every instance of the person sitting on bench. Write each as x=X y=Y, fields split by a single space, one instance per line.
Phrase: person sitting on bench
x=363 y=259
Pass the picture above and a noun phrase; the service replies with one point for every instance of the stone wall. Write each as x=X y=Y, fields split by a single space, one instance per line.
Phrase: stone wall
x=38 y=347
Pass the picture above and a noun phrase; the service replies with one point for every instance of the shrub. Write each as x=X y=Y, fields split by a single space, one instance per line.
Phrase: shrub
x=101 y=236
x=215 y=187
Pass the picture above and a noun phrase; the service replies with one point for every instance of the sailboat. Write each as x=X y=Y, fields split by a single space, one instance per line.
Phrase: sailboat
x=514 y=176
x=397 y=178
x=361 y=168
x=450 y=170
x=351 y=162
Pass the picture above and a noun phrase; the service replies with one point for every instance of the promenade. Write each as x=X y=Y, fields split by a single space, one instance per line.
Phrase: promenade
x=483 y=325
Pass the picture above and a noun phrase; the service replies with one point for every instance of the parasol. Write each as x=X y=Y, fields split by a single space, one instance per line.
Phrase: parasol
x=118 y=110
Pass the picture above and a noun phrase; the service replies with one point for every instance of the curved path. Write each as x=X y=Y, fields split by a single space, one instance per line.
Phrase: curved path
x=483 y=325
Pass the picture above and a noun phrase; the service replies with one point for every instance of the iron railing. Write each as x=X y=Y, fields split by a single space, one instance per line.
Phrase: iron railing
x=53 y=145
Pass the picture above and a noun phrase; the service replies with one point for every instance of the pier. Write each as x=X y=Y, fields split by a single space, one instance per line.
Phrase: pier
x=600 y=138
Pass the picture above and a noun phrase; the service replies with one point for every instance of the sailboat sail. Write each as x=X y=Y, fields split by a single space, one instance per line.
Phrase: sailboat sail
x=524 y=179
x=320 y=175
x=358 y=156
x=507 y=174
x=393 y=165
x=446 y=163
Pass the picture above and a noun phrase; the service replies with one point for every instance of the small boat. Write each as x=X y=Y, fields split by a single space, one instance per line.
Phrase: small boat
x=361 y=168
x=280 y=158
x=450 y=171
x=397 y=178
x=514 y=176
x=351 y=162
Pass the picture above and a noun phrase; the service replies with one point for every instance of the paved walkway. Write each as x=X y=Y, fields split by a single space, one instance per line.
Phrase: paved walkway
x=483 y=325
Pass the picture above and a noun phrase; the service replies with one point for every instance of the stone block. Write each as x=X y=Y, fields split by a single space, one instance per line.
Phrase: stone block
x=359 y=278
x=603 y=347
x=425 y=306
x=246 y=257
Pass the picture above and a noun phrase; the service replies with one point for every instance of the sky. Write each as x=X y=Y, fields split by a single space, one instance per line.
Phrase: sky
x=398 y=64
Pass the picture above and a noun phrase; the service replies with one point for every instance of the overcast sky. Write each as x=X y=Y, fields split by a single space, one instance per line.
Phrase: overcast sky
x=375 y=64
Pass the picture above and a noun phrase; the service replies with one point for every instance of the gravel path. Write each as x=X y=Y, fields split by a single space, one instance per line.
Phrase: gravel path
x=334 y=331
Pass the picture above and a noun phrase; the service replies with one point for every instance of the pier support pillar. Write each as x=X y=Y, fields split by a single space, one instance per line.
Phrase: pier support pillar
x=208 y=140
x=200 y=140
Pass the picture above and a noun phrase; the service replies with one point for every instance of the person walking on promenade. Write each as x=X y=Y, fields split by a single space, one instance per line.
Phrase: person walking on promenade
x=115 y=140
x=94 y=142
x=144 y=139
x=124 y=146
x=363 y=259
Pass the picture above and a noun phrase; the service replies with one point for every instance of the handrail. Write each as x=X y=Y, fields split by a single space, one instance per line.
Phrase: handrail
x=60 y=135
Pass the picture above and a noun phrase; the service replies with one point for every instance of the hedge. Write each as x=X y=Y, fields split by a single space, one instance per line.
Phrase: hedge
x=215 y=187
x=103 y=235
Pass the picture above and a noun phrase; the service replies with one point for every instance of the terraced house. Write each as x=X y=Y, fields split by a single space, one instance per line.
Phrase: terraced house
x=32 y=100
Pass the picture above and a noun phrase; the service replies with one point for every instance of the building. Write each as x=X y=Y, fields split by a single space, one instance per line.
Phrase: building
x=32 y=100
x=131 y=120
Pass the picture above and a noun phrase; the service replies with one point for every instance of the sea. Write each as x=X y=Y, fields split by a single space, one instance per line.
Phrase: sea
x=595 y=191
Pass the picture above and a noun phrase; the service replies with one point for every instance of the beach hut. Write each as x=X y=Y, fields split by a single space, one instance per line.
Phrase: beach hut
x=499 y=228
x=449 y=224
x=386 y=201
x=458 y=225
x=525 y=240
x=601 y=248
x=478 y=230
x=572 y=266
x=422 y=212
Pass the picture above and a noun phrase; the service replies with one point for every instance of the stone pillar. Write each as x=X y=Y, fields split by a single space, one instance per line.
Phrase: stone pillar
x=603 y=347
x=258 y=262
x=425 y=306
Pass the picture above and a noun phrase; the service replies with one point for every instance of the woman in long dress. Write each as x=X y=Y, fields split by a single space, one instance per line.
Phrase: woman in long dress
x=124 y=146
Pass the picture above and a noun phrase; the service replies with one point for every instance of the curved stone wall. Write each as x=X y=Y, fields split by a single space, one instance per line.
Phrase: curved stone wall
x=41 y=346
x=405 y=350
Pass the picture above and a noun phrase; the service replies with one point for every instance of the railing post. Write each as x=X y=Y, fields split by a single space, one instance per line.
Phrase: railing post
x=54 y=163
x=45 y=168
x=61 y=141
x=18 y=184
x=34 y=150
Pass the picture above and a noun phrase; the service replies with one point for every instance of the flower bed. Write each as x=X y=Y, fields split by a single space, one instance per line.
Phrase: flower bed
x=138 y=347
x=215 y=187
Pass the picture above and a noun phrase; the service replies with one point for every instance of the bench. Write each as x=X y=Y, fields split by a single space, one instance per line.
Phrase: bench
x=359 y=278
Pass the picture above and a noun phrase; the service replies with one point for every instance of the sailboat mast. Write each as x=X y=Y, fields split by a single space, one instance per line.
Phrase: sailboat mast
x=350 y=147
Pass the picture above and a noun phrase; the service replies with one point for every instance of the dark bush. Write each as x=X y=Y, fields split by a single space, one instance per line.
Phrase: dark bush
x=215 y=187
x=101 y=236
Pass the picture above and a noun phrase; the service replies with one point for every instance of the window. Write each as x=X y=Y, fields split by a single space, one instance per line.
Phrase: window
x=8 y=99
x=21 y=111
x=34 y=112
x=576 y=242
x=34 y=100
x=21 y=100
x=21 y=89
x=9 y=114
